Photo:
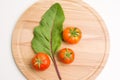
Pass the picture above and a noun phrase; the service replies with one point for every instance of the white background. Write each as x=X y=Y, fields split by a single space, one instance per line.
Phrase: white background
x=10 y=11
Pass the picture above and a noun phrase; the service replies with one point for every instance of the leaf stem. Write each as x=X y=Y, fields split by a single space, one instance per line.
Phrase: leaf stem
x=56 y=68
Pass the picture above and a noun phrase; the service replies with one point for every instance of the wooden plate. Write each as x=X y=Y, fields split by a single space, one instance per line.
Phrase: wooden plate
x=91 y=52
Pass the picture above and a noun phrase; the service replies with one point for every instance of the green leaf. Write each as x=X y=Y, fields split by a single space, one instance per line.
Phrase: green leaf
x=48 y=35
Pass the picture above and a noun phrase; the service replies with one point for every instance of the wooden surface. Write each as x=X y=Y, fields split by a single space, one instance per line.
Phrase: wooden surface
x=90 y=53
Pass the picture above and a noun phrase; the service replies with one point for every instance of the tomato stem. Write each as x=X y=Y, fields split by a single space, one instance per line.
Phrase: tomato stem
x=74 y=32
x=56 y=68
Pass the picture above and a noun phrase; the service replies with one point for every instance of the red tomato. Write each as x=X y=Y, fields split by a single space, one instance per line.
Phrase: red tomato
x=72 y=35
x=41 y=62
x=66 y=56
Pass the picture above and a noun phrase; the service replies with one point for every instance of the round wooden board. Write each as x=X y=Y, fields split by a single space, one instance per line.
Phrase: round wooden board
x=91 y=52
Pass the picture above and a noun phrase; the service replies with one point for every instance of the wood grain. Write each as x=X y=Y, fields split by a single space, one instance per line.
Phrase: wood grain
x=91 y=52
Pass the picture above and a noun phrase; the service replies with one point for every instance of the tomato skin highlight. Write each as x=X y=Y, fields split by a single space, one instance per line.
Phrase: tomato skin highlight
x=41 y=62
x=66 y=56
x=72 y=35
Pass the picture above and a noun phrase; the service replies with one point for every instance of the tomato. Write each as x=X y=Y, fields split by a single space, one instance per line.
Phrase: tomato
x=41 y=62
x=72 y=35
x=66 y=56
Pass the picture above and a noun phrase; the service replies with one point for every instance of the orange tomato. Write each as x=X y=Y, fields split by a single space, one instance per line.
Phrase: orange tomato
x=72 y=35
x=41 y=62
x=66 y=56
